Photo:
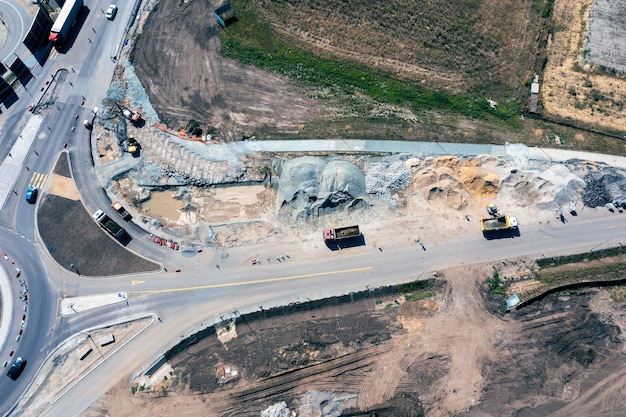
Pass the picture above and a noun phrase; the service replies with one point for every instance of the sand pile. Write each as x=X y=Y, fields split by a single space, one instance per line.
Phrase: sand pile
x=449 y=181
x=479 y=182
x=441 y=187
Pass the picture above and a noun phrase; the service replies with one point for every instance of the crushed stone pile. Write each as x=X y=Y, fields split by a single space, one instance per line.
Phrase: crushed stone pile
x=309 y=187
x=603 y=187
x=278 y=410
x=383 y=178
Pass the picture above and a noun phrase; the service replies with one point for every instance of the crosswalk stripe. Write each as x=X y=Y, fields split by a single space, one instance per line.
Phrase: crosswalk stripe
x=38 y=180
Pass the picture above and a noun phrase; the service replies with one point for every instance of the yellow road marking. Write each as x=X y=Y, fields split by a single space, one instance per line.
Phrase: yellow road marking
x=136 y=282
x=256 y=281
x=38 y=180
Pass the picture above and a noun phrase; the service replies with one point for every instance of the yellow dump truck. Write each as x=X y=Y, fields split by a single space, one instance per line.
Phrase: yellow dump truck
x=499 y=223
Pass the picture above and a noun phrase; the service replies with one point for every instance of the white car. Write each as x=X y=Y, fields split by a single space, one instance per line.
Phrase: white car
x=111 y=12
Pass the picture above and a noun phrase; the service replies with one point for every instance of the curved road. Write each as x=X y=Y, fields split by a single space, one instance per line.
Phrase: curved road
x=16 y=22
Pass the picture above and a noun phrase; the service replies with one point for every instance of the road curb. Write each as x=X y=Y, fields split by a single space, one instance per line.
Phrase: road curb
x=97 y=365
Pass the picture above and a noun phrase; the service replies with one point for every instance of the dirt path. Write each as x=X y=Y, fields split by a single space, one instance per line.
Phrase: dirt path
x=466 y=332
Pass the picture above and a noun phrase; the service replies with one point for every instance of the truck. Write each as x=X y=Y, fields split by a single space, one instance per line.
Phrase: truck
x=117 y=206
x=133 y=116
x=498 y=224
x=333 y=235
x=108 y=224
x=64 y=22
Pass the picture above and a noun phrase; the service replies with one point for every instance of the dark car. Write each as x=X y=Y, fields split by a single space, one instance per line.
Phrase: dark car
x=16 y=369
x=31 y=195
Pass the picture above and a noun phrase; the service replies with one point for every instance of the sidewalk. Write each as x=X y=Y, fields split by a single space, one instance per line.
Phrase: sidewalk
x=11 y=168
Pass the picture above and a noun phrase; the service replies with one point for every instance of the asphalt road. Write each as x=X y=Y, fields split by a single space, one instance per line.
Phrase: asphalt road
x=89 y=67
x=191 y=299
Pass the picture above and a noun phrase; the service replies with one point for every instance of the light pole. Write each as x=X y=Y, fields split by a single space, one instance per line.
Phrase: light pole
x=95 y=344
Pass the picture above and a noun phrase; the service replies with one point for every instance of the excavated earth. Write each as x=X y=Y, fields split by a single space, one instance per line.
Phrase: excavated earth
x=375 y=354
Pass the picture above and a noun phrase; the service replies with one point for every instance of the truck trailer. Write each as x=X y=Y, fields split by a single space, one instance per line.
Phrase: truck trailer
x=64 y=22
x=108 y=224
x=332 y=235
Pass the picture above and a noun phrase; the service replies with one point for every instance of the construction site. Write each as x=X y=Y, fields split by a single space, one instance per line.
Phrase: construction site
x=176 y=149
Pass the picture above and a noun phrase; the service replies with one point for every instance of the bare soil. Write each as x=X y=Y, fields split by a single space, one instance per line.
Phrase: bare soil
x=443 y=356
x=572 y=89
x=199 y=84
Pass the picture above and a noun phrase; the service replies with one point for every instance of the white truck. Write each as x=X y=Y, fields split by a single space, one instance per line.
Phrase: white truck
x=108 y=224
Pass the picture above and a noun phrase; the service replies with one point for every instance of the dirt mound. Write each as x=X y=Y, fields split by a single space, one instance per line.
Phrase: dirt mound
x=310 y=186
x=441 y=187
x=479 y=182
x=451 y=182
x=561 y=349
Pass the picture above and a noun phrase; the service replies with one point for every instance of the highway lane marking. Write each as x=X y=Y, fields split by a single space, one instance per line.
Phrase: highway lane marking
x=256 y=281
x=133 y=282
x=38 y=180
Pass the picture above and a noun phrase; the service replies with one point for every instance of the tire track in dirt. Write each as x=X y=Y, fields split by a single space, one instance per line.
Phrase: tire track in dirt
x=399 y=68
x=467 y=333
x=342 y=374
x=597 y=397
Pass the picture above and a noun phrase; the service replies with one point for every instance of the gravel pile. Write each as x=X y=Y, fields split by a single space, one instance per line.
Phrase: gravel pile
x=278 y=410
x=596 y=193
x=382 y=178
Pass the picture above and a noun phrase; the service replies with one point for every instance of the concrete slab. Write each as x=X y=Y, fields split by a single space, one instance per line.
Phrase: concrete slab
x=73 y=305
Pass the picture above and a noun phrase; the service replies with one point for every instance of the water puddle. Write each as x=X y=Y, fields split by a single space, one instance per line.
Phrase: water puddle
x=162 y=204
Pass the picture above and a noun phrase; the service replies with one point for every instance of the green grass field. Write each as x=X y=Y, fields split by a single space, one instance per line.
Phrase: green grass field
x=365 y=61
